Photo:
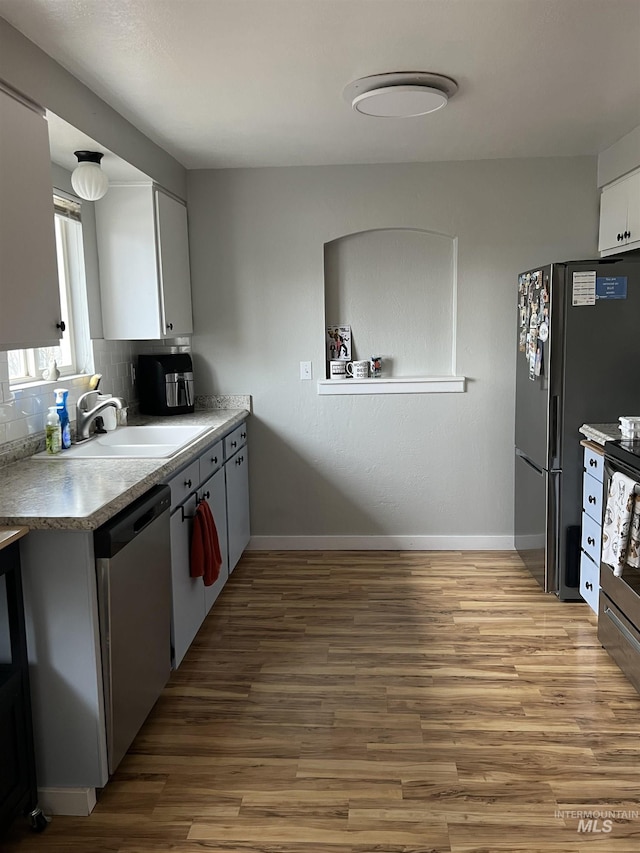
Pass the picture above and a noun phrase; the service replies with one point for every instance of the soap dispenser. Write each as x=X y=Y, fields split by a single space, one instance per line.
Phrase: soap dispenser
x=63 y=414
x=53 y=438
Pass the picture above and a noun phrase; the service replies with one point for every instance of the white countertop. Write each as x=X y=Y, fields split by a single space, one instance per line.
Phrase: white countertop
x=601 y=432
x=81 y=494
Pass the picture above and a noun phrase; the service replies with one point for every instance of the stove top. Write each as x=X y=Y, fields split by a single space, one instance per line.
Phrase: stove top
x=625 y=450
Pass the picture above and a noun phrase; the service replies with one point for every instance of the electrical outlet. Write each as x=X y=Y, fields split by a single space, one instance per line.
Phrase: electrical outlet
x=305 y=370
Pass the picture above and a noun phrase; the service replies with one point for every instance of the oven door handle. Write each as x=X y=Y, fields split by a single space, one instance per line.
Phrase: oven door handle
x=622 y=628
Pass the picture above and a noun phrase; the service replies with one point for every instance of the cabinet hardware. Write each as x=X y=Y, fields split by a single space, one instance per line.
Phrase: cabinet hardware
x=170 y=326
x=186 y=515
x=619 y=237
x=592 y=500
x=214 y=459
x=627 y=234
x=591 y=540
x=234 y=444
x=589 y=585
x=243 y=435
x=239 y=461
x=61 y=325
x=593 y=462
x=188 y=485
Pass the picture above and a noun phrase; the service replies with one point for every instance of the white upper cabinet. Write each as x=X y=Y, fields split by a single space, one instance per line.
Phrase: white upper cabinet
x=620 y=216
x=29 y=293
x=143 y=254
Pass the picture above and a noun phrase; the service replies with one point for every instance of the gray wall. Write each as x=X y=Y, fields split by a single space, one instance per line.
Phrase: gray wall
x=29 y=70
x=428 y=465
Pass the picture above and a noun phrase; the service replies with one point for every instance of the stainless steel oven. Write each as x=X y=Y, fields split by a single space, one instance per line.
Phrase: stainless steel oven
x=619 y=603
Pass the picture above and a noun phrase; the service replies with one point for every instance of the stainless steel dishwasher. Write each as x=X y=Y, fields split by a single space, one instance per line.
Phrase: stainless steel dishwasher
x=133 y=563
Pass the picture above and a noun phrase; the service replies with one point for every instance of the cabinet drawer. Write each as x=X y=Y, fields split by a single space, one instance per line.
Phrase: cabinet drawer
x=184 y=483
x=620 y=638
x=591 y=538
x=594 y=464
x=589 y=581
x=235 y=440
x=210 y=461
x=592 y=497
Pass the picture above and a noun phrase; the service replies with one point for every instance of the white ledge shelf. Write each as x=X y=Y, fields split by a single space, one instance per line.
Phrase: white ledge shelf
x=394 y=385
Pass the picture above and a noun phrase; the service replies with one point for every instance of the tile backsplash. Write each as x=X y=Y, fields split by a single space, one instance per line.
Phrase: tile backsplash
x=23 y=410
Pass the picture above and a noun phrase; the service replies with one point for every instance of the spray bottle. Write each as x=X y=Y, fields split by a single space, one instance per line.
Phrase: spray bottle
x=63 y=414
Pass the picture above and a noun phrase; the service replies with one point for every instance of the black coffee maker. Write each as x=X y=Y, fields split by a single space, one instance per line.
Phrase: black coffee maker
x=165 y=384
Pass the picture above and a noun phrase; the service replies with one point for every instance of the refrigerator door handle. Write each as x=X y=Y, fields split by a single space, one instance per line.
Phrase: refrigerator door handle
x=553 y=443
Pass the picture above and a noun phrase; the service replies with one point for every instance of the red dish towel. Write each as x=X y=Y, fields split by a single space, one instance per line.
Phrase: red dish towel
x=206 y=558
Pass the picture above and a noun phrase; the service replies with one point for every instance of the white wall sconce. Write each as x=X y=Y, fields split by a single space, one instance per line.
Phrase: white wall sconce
x=88 y=179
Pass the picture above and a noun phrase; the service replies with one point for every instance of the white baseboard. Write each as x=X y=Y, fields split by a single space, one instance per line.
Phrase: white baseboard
x=67 y=801
x=381 y=543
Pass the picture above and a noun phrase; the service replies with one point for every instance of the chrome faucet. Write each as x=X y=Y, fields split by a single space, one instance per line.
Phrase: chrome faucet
x=84 y=418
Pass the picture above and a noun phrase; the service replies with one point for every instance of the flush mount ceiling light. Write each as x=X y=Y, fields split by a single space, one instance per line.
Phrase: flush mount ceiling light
x=402 y=94
x=88 y=179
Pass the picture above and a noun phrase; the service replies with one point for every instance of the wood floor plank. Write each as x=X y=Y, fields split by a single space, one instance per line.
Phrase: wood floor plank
x=377 y=702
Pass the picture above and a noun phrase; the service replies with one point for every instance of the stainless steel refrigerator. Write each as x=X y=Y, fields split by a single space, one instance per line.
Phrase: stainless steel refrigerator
x=578 y=361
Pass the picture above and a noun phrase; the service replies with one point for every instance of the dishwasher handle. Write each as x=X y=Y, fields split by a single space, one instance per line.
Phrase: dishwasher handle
x=130 y=522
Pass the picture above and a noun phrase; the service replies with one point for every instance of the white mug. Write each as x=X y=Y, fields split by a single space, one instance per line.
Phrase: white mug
x=337 y=370
x=358 y=369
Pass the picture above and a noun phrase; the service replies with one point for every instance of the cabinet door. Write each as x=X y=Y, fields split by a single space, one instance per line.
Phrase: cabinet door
x=188 y=596
x=237 y=479
x=589 y=581
x=175 y=275
x=213 y=492
x=129 y=287
x=613 y=216
x=29 y=293
x=633 y=208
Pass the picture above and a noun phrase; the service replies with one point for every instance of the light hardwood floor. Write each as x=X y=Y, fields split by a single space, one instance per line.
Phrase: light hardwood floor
x=378 y=701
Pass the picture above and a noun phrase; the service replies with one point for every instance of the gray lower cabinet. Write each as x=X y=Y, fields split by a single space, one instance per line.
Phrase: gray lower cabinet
x=187 y=592
x=236 y=468
x=213 y=491
x=63 y=639
x=220 y=476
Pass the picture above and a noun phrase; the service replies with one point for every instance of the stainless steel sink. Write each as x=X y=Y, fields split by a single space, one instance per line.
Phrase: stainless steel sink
x=133 y=442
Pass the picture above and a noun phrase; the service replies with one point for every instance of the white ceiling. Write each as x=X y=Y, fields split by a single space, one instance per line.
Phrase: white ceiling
x=230 y=83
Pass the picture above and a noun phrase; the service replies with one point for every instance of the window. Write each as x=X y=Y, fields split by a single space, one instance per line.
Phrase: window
x=28 y=365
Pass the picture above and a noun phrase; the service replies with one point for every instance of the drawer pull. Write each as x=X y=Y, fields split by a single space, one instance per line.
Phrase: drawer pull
x=206 y=496
x=239 y=460
x=214 y=459
x=234 y=444
x=589 y=586
x=592 y=499
x=593 y=463
x=243 y=435
x=626 y=633
x=591 y=540
x=187 y=484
